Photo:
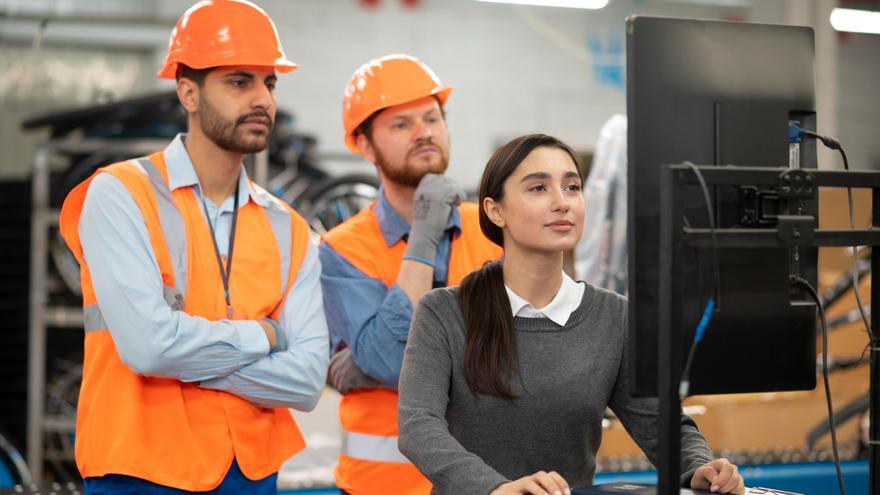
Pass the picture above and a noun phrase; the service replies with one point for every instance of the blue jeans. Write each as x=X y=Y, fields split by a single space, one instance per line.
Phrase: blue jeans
x=235 y=483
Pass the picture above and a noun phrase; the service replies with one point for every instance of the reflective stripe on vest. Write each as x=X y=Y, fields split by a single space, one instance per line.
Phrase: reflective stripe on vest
x=371 y=448
x=279 y=220
x=171 y=222
x=371 y=462
x=180 y=423
x=174 y=231
x=93 y=319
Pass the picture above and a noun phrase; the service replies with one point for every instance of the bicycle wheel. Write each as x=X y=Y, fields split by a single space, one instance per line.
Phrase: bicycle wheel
x=336 y=199
x=13 y=469
x=65 y=264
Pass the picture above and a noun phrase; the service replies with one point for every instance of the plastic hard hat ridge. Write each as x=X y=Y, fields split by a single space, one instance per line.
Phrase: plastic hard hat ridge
x=214 y=33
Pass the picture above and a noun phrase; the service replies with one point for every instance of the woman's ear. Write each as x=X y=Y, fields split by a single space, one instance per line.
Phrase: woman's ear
x=494 y=212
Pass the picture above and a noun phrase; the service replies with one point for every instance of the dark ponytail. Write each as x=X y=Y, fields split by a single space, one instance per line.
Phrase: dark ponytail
x=490 y=355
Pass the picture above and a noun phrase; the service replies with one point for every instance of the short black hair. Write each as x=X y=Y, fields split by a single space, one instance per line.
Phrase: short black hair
x=195 y=75
x=366 y=127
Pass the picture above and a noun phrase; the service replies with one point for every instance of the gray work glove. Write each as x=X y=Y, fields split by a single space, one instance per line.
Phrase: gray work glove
x=345 y=376
x=433 y=201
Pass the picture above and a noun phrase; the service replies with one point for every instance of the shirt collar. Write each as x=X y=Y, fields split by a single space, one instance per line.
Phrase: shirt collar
x=566 y=300
x=394 y=227
x=182 y=173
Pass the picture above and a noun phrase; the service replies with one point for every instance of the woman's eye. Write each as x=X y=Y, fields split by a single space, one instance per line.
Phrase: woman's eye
x=574 y=187
x=537 y=187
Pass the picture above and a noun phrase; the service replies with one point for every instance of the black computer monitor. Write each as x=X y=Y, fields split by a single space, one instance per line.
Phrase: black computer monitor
x=719 y=93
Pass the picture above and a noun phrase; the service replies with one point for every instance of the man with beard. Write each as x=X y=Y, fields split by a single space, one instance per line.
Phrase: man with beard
x=416 y=236
x=203 y=317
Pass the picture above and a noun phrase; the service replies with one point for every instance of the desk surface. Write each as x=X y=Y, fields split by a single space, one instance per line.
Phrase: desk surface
x=813 y=478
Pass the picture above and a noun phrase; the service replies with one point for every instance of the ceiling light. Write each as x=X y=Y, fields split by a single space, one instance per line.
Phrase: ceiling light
x=573 y=4
x=855 y=21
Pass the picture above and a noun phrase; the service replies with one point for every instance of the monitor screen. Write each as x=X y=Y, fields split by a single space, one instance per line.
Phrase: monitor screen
x=720 y=93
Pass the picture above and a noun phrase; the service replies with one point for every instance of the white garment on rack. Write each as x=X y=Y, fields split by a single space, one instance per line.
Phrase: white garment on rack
x=600 y=258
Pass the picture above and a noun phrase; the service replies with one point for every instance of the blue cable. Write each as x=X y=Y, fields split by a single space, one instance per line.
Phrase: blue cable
x=704 y=321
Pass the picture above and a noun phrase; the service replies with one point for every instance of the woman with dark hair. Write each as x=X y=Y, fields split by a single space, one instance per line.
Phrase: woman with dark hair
x=505 y=378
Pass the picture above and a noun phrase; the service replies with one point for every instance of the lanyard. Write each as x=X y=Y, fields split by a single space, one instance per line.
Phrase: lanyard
x=224 y=273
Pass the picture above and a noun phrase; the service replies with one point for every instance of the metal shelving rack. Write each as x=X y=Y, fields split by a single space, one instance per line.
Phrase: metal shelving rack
x=147 y=116
x=42 y=315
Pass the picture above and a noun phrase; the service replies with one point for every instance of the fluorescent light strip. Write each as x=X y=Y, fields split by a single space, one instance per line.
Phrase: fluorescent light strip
x=855 y=21
x=572 y=4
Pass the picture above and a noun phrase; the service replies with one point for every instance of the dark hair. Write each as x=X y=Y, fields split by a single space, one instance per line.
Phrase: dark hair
x=195 y=75
x=490 y=355
x=366 y=127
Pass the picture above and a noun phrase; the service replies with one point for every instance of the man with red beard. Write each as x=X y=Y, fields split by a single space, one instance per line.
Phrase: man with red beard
x=202 y=313
x=416 y=236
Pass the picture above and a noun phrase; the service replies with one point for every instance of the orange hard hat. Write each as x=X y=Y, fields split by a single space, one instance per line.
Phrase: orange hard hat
x=214 y=33
x=383 y=83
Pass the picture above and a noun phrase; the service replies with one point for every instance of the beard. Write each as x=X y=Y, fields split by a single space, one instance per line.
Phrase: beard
x=227 y=134
x=411 y=173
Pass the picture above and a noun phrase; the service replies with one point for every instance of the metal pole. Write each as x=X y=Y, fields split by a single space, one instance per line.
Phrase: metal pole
x=874 y=408
x=669 y=340
x=37 y=324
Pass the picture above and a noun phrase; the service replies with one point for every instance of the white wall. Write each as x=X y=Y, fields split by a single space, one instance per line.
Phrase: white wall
x=859 y=104
x=515 y=69
x=508 y=79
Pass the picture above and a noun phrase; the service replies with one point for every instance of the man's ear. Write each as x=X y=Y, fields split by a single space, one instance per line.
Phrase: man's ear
x=188 y=94
x=366 y=147
x=494 y=212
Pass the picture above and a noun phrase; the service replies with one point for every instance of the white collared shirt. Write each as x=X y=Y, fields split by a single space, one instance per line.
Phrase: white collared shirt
x=558 y=310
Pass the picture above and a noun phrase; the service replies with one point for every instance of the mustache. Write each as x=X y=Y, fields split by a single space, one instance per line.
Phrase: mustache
x=255 y=114
x=422 y=144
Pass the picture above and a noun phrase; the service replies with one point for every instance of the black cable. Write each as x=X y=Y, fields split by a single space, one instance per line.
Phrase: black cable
x=852 y=226
x=828 y=141
x=846 y=364
x=850 y=316
x=834 y=144
x=865 y=351
x=812 y=291
x=843 y=285
x=710 y=212
x=684 y=384
x=700 y=275
x=845 y=413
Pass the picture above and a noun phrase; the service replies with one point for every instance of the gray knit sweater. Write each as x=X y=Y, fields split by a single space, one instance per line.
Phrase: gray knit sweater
x=470 y=445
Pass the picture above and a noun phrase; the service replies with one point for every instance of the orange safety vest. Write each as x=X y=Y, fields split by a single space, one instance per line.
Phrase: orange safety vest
x=160 y=429
x=370 y=462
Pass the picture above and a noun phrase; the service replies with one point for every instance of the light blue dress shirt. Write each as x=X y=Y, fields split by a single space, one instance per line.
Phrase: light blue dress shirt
x=363 y=312
x=152 y=339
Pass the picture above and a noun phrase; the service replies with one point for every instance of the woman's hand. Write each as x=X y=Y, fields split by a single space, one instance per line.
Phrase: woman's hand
x=718 y=476
x=540 y=483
